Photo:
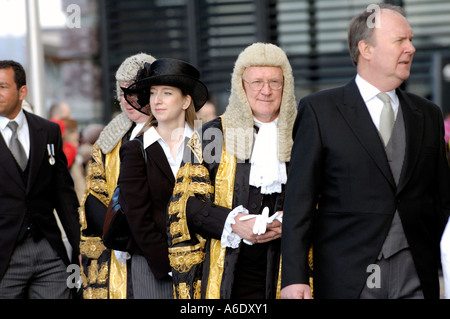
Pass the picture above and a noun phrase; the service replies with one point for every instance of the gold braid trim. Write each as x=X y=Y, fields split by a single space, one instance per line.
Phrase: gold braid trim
x=182 y=259
x=196 y=147
x=91 y=247
x=117 y=278
x=96 y=177
x=198 y=289
x=278 y=293
x=311 y=267
x=183 y=291
x=95 y=183
x=95 y=293
x=193 y=171
x=101 y=181
x=191 y=179
x=224 y=189
x=186 y=253
x=101 y=178
x=112 y=169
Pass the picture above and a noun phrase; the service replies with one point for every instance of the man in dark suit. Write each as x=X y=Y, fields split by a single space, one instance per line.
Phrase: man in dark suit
x=370 y=205
x=33 y=257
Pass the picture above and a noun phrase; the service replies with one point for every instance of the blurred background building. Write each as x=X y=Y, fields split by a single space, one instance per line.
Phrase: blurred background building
x=82 y=53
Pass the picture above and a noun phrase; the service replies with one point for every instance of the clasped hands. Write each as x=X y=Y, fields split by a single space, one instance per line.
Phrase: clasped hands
x=258 y=228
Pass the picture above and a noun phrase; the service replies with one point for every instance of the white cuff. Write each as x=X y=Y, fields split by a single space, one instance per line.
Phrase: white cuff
x=230 y=239
x=122 y=257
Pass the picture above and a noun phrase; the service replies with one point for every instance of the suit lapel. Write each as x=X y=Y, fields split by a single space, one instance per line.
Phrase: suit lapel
x=413 y=118
x=357 y=116
x=156 y=155
x=38 y=147
x=9 y=164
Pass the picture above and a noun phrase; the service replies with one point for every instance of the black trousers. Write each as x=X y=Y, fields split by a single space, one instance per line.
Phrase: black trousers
x=250 y=274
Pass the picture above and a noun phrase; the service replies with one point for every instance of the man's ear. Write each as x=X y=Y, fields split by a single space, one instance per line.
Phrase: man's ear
x=23 y=91
x=365 y=50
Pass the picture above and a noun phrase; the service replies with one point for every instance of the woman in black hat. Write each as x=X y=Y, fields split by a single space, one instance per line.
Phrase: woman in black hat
x=170 y=92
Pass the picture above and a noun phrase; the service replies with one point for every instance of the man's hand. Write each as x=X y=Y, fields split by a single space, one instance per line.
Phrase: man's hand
x=273 y=232
x=244 y=228
x=296 y=291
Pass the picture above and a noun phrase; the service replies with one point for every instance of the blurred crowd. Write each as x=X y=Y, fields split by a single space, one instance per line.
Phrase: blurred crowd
x=77 y=143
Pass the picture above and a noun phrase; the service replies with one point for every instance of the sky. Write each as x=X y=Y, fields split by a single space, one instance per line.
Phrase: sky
x=13 y=26
x=13 y=16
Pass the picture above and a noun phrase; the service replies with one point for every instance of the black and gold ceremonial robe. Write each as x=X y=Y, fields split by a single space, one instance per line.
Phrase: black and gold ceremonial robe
x=103 y=276
x=209 y=184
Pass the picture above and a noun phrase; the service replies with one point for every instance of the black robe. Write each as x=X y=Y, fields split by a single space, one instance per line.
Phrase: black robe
x=211 y=183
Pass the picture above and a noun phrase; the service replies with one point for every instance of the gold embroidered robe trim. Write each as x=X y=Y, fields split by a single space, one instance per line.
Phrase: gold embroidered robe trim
x=101 y=181
x=91 y=247
x=95 y=293
x=112 y=169
x=117 y=279
x=95 y=183
x=183 y=258
x=186 y=187
x=184 y=291
x=224 y=186
x=186 y=252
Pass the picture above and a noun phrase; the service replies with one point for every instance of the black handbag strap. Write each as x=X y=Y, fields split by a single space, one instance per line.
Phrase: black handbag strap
x=144 y=153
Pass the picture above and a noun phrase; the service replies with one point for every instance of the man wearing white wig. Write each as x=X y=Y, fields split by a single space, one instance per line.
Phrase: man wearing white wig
x=105 y=271
x=225 y=213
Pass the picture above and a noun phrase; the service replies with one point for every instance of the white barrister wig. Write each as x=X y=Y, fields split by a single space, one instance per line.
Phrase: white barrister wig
x=119 y=126
x=238 y=117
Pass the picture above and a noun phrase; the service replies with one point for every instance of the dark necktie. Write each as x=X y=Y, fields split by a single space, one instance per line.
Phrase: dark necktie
x=386 y=118
x=16 y=147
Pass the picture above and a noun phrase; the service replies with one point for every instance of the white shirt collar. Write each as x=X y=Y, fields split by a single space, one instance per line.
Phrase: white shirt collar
x=258 y=123
x=20 y=119
x=368 y=91
x=151 y=135
x=22 y=130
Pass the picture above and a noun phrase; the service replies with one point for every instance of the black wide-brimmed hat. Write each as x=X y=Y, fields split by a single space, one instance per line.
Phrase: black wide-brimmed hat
x=170 y=72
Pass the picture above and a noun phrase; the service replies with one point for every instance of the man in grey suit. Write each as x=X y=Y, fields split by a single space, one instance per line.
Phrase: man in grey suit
x=34 y=181
x=368 y=187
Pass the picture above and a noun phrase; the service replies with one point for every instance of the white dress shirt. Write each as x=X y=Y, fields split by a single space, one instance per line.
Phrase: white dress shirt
x=22 y=131
x=151 y=136
x=374 y=104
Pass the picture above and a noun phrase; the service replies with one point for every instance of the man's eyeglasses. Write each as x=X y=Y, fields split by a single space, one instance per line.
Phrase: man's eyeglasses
x=257 y=85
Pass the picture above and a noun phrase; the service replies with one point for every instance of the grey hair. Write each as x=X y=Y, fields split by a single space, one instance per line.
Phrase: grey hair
x=359 y=29
x=127 y=71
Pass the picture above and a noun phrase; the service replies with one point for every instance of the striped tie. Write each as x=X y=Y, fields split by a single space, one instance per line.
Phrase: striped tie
x=16 y=147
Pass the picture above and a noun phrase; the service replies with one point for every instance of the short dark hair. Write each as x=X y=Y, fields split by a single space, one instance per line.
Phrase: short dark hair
x=19 y=73
x=359 y=30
